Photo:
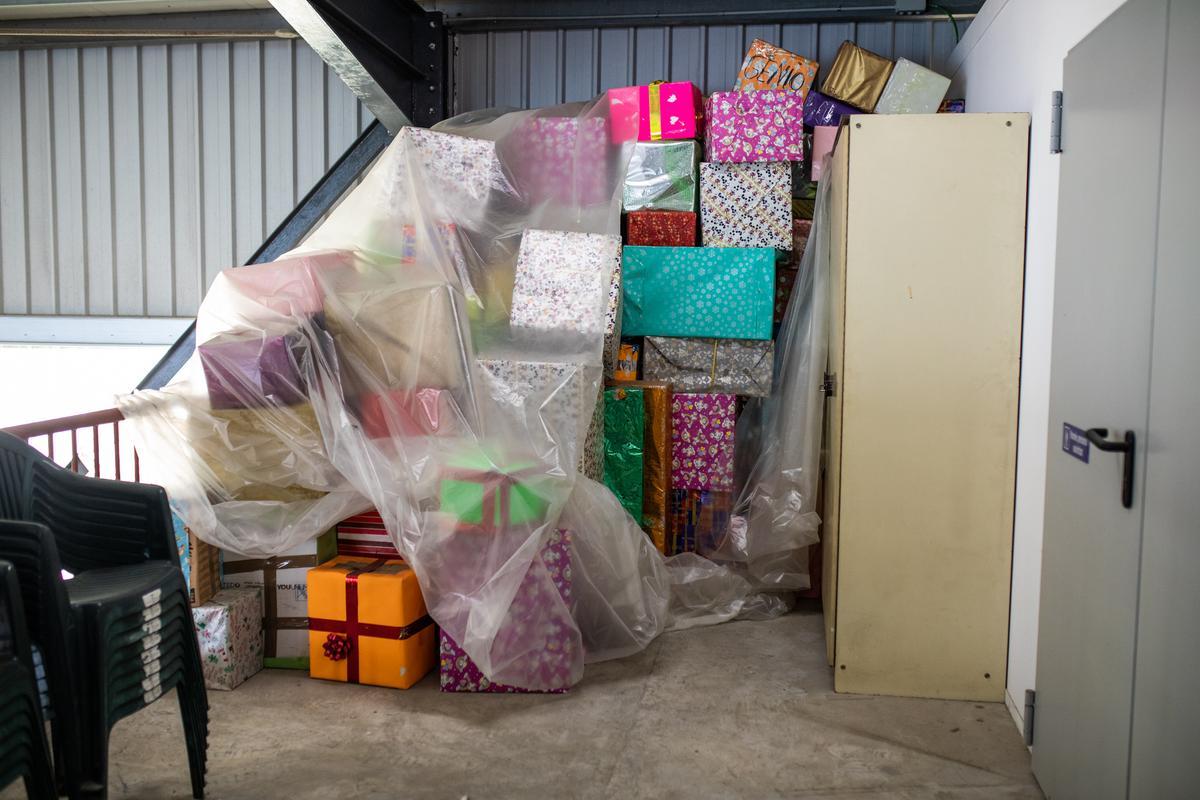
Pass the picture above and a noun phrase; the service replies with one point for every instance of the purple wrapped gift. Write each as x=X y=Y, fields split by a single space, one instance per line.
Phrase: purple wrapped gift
x=702 y=441
x=552 y=667
x=561 y=160
x=821 y=109
x=251 y=371
x=763 y=125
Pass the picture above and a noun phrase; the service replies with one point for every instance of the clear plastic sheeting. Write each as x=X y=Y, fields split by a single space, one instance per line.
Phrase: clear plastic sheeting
x=778 y=456
x=385 y=363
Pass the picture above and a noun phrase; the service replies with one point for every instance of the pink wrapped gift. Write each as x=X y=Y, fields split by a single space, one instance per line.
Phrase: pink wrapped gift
x=551 y=667
x=657 y=111
x=409 y=412
x=766 y=125
x=702 y=441
x=289 y=286
x=561 y=160
x=824 y=137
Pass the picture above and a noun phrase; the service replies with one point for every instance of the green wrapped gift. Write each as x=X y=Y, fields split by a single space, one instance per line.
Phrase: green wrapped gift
x=702 y=292
x=662 y=176
x=486 y=492
x=624 y=450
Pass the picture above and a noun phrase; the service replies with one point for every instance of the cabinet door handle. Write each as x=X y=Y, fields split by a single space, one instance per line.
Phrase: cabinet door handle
x=1127 y=448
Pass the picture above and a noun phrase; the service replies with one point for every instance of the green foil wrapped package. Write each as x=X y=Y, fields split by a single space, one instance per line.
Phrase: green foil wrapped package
x=624 y=450
x=700 y=292
x=662 y=176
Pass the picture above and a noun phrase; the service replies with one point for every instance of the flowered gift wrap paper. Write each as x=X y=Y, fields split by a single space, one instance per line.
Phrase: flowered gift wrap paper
x=251 y=370
x=702 y=441
x=711 y=365
x=548 y=395
x=716 y=292
x=552 y=667
x=857 y=76
x=698 y=520
x=661 y=228
x=565 y=283
x=229 y=628
x=754 y=126
x=912 y=89
x=283 y=582
x=662 y=176
x=746 y=205
x=657 y=111
x=624 y=449
x=368 y=623
x=769 y=66
x=820 y=109
x=460 y=170
x=560 y=160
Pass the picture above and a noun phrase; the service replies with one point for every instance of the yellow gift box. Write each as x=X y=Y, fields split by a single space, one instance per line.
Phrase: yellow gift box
x=367 y=623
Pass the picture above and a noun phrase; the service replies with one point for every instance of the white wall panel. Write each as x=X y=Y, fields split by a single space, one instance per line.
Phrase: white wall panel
x=130 y=176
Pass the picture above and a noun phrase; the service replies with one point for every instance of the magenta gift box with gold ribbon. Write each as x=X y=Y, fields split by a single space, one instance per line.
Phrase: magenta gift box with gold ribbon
x=656 y=111
x=767 y=125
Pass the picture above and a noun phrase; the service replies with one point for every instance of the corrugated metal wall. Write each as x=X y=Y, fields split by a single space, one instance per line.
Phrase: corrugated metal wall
x=129 y=176
x=527 y=69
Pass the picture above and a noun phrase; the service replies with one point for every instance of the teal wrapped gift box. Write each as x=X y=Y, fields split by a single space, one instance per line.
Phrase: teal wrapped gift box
x=713 y=292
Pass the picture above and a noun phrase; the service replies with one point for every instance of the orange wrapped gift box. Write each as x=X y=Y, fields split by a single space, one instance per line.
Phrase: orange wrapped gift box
x=368 y=623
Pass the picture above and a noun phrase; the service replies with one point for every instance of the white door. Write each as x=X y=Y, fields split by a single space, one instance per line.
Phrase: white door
x=1100 y=362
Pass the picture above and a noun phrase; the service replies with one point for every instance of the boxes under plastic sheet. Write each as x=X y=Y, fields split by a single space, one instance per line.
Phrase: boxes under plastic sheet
x=252 y=370
x=624 y=449
x=661 y=228
x=754 y=126
x=550 y=668
x=912 y=89
x=229 y=629
x=857 y=76
x=409 y=412
x=487 y=492
x=285 y=596
x=769 y=66
x=716 y=292
x=702 y=441
x=368 y=623
x=560 y=160
x=746 y=205
x=662 y=176
x=711 y=365
x=458 y=171
x=365 y=535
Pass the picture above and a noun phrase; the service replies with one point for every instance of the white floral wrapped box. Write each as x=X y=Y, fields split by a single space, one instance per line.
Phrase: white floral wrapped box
x=229 y=628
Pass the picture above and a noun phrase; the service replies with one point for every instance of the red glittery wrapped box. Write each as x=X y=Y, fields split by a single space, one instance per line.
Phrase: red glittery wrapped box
x=661 y=228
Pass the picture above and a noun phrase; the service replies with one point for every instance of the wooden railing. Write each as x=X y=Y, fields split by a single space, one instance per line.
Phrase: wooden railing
x=99 y=430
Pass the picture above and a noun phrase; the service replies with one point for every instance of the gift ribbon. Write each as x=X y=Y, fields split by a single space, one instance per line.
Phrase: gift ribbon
x=655 y=110
x=269 y=567
x=494 y=483
x=351 y=628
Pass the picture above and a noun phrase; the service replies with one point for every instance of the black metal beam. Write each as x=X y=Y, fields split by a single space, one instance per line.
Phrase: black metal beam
x=319 y=200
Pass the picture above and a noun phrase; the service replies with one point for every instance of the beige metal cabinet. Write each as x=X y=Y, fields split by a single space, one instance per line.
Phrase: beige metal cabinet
x=927 y=266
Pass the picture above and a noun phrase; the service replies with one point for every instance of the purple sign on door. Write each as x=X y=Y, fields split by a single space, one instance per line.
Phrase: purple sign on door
x=1075 y=442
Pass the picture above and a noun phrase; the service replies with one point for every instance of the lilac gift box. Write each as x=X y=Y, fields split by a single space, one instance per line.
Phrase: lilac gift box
x=550 y=668
x=764 y=125
x=251 y=371
x=561 y=160
x=821 y=109
x=702 y=441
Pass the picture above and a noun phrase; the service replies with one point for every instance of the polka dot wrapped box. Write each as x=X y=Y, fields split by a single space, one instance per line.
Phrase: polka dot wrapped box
x=746 y=205
x=709 y=292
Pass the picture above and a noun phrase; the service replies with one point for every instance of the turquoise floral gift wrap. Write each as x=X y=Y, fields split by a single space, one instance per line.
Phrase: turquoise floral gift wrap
x=713 y=292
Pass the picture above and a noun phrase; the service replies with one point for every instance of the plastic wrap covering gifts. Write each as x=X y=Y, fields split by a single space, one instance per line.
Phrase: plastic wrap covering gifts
x=388 y=336
x=774 y=518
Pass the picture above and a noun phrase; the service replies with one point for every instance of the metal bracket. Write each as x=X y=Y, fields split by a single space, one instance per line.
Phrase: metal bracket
x=1030 y=709
x=1056 y=105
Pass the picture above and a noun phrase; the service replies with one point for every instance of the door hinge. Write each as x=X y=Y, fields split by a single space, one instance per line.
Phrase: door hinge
x=1056 y=122
x=1030 y=710
x=829 y=384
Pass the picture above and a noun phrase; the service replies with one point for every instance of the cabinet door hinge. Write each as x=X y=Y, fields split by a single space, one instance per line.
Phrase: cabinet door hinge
x=1056 y=100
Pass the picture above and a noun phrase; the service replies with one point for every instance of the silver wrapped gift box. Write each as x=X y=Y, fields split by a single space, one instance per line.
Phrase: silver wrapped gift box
x=732 y=366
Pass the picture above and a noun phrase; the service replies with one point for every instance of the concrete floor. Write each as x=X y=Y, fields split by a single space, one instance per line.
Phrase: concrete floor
x=743 y=710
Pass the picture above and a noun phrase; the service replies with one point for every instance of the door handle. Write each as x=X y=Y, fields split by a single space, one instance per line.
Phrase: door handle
x=1127 y=448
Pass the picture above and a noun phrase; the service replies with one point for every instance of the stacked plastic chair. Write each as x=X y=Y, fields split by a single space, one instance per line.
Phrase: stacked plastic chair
x=23 y=752
x=119 y=634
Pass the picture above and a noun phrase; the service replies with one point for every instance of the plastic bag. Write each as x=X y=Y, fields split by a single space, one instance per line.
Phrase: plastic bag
x=435 y=350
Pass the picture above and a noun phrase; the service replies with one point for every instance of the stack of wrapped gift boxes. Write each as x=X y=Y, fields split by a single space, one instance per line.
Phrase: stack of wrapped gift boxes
x=718 y=208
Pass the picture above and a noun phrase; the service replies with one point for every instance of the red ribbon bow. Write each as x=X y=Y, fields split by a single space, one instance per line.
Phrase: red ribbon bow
x=337 y=647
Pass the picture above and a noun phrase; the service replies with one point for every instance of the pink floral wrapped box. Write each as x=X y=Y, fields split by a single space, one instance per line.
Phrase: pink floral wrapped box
x=767 y=125
x=551 y=667
x=560 y=160
x=229 y=628
x=702 y=441
x=458 y=170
